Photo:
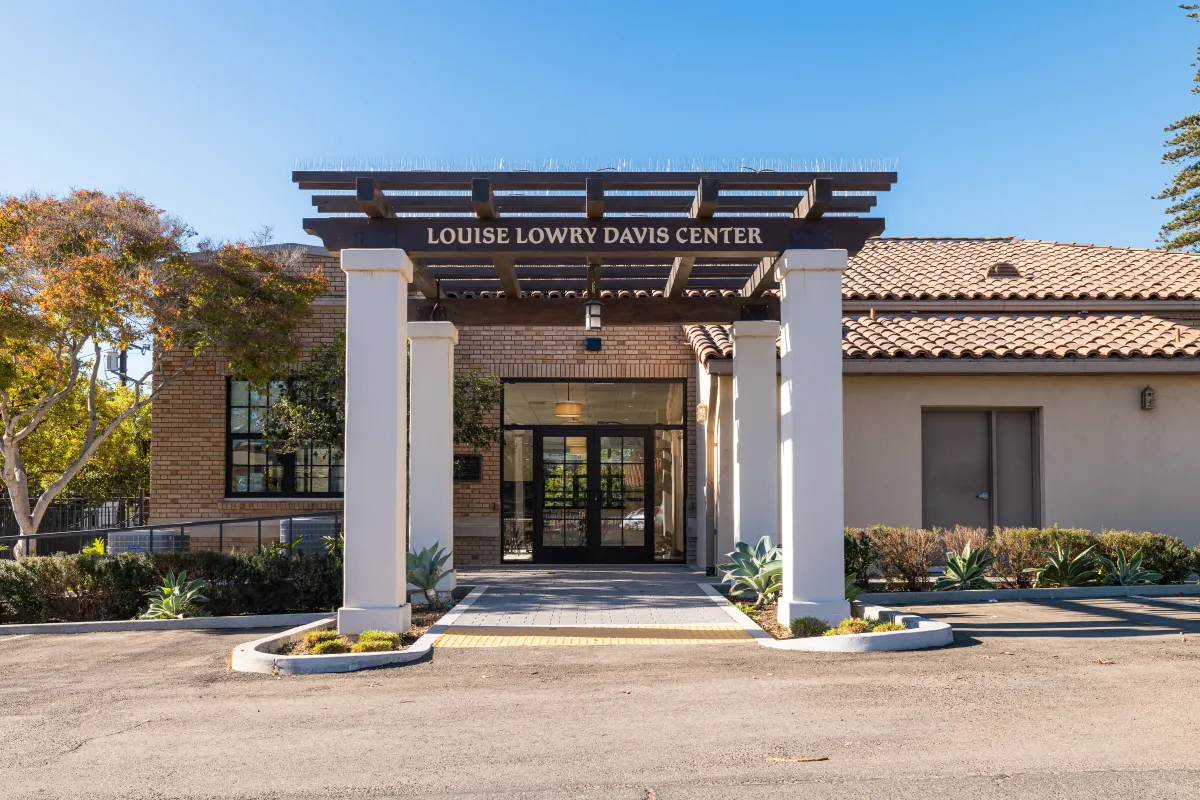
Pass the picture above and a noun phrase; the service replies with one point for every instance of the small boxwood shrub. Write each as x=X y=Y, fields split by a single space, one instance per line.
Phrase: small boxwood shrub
x=803 y=627
x=389 y=637
x=312 y=638
x=330 y=646
x=371 y=646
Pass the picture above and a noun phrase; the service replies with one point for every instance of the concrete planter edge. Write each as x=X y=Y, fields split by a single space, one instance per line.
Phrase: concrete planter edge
x=921 y=633
x=255 y=656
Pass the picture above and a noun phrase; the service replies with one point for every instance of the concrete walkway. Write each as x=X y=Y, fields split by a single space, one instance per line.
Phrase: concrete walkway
x=590 y=605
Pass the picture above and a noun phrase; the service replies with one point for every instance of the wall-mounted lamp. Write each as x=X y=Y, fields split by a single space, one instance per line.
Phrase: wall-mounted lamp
x=1148 y=399
x=701 y=412
x=591 y=315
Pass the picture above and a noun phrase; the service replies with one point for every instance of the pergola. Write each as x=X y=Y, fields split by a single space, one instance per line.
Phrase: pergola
x=762 y=250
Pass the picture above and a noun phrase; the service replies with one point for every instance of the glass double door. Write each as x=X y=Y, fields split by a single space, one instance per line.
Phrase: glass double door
x=592 y=489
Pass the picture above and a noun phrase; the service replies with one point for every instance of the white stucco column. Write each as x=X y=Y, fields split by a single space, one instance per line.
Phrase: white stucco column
x=431 y=514
x=755 y=435
x=810 y=405
x=376 y=367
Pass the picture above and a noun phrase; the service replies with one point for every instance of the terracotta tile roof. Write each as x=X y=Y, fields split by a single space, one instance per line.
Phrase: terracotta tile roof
x=986 y=336
x=903 y=269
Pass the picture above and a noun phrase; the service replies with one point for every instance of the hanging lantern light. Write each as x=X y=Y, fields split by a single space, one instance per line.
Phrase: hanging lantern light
x=568 y=410
x=591 y=315
x=577 y=446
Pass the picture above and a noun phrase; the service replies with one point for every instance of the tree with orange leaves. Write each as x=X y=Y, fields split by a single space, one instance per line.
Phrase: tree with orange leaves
x=92 y=272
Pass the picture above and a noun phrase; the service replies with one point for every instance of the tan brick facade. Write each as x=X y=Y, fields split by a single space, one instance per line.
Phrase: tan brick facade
x=188 y=450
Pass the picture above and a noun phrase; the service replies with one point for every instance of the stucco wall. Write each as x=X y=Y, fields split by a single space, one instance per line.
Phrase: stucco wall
x=1105 y=462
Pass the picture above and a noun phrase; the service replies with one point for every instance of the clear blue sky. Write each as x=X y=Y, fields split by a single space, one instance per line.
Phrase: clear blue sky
x=1036 y=119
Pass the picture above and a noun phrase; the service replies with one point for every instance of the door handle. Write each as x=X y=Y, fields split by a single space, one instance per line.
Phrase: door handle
x=983 y=495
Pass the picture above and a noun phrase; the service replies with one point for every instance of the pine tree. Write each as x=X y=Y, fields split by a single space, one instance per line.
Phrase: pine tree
x=1183 y=231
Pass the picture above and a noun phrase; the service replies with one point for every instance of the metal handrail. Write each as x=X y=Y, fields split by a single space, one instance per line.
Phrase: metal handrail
x=170 y=528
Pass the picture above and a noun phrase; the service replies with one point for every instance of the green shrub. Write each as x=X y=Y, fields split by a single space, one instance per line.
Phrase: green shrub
x=956 y=539
x=861 y=555
x=1018 y=551
x=1073 y=539
x=313 y=637
x=372 y=646
x=852 y=625
x=388 y=637
x=860 y=625
x=905 y=554
x=89 y=587
x=803 y=627
x=330 y=646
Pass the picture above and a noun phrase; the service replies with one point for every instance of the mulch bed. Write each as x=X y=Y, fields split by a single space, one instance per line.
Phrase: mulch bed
x=764 y=616
x=423 y=618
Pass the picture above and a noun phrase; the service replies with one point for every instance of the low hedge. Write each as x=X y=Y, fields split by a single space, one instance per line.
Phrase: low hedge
x=902 y=556
x=82 y=588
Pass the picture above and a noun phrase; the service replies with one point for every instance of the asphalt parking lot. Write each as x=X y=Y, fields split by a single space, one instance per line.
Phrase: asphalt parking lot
x=1068 y=699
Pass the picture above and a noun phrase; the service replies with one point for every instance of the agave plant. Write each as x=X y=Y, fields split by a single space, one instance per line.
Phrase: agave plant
x=966 y=570
x=425 y=571
x=1063 y=570
x=177 y=598
x=1126 y=572
x=852 y=589
x=334 y=545
x=757 y=568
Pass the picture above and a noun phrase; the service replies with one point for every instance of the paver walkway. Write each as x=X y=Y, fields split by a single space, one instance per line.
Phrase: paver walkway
x=590 y=605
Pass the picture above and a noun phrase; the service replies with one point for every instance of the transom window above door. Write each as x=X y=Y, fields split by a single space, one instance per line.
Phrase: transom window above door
x=593 y=403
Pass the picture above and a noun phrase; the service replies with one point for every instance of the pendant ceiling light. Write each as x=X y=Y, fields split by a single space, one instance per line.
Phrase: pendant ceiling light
x=568 y=410
x=577 y=446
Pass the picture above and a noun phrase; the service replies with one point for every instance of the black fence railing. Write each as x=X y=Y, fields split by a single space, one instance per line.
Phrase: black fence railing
x=309 y=532
x=81 y=514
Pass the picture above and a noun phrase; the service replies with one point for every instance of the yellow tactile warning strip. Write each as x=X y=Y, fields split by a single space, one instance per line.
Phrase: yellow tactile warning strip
x=521 y=636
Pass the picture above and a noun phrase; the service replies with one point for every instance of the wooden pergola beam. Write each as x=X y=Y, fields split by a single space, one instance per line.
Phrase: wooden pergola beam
x=761 y=279
x=617 y=311
x=704 y=205
x=570 y=203
x=460 y=180
x=371 y=200
x=508 y=277
x=817 y=200
x=483 y=198
x=423 y=280
x=593 y=203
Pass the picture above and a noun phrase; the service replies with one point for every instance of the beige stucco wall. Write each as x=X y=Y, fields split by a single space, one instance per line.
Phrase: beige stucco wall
x=1105 y=462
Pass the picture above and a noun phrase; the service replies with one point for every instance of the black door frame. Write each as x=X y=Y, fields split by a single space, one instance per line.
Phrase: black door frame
x=593 y=552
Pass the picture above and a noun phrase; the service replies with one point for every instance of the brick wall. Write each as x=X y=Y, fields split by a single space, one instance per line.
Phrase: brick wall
x=188 y=447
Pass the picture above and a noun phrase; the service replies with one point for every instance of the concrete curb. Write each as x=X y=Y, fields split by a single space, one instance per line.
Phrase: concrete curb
x=254 y=657
x=1163 y=601
x=921 y=633
x=189 y=624
x=1049 y=593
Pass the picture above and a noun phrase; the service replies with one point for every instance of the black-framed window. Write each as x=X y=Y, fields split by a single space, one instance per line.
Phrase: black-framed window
x=253 y=469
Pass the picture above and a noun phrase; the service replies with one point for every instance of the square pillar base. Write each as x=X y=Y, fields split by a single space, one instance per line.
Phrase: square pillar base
x=831 y=612
x=396 y=619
